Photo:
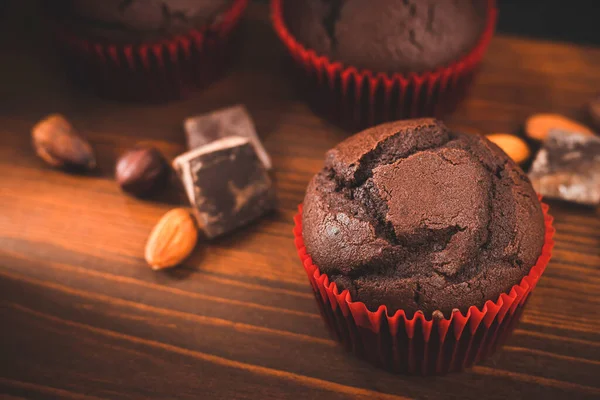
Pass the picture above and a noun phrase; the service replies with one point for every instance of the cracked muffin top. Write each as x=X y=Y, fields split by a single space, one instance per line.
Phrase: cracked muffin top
x=412 y=216
x=137 y=20
x=388 y=35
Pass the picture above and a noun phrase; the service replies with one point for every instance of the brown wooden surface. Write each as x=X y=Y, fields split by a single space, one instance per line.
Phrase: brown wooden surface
x=82 y=316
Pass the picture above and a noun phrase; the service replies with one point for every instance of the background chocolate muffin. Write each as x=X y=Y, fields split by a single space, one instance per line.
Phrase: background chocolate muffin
x=415 y=217
x=144 y=50
x=133 y=21
x=388 y=35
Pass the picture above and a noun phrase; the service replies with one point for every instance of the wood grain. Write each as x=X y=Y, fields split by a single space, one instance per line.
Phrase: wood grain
x=83 y=317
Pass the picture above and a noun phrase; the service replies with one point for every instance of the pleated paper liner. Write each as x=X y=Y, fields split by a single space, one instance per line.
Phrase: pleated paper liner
x=151 y=72
x=360 y=98
x=415 y=345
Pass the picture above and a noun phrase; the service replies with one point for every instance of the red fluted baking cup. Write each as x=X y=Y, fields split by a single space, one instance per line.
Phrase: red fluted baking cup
x=360 y=98
x=414 y=344
x=154 y=71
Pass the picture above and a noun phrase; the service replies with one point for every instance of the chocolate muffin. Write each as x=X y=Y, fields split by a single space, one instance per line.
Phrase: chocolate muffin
x=144 y=50
x=388 y=35
x=415 y=217
x=133 y=21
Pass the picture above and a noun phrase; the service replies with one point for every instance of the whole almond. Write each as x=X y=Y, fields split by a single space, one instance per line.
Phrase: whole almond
x=513 y=146
x=537 y=126
x=57 y=143
x=172 y=239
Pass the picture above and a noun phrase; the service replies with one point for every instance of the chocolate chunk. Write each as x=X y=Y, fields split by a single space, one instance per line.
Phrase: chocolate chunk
x=226 y=183
x=232 y=121
x=567 y=167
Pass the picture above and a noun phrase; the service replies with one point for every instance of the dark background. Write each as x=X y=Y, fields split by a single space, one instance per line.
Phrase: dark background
x=576 y=21
x=563 y=20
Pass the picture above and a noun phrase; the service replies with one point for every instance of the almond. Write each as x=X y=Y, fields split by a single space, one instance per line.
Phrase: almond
x=172 y=239
x=537 y=126
x=512 y=145
x=56 y=142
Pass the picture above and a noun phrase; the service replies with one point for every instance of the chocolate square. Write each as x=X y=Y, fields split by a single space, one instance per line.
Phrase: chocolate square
x=567 y=167
x=226 y=183
x=232 y=121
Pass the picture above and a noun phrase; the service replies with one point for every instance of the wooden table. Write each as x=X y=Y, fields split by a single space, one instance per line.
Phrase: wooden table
x=83 y=317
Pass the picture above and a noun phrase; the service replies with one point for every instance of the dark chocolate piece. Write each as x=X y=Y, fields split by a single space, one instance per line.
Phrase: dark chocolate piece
x=567 y=167
x=232 y=121
x=226 y=183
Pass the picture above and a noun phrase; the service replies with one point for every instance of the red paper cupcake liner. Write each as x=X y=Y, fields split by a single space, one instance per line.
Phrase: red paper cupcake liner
x=415 y=345
x=151 y=72
x=360 y=98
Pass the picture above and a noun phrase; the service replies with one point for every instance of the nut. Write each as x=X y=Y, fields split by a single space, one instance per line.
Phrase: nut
x=142 y=170
x=57 y=143
x=172 y=239
x=537 y=126
x=513 y=146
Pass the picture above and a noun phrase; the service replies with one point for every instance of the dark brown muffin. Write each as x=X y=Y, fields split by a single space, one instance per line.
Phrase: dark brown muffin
x=388 y=35
x=414 y=217
x=135 y=21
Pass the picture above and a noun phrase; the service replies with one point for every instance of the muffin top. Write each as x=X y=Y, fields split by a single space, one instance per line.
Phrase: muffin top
x=412 y=216
x=387 y=35
x=137 y=20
